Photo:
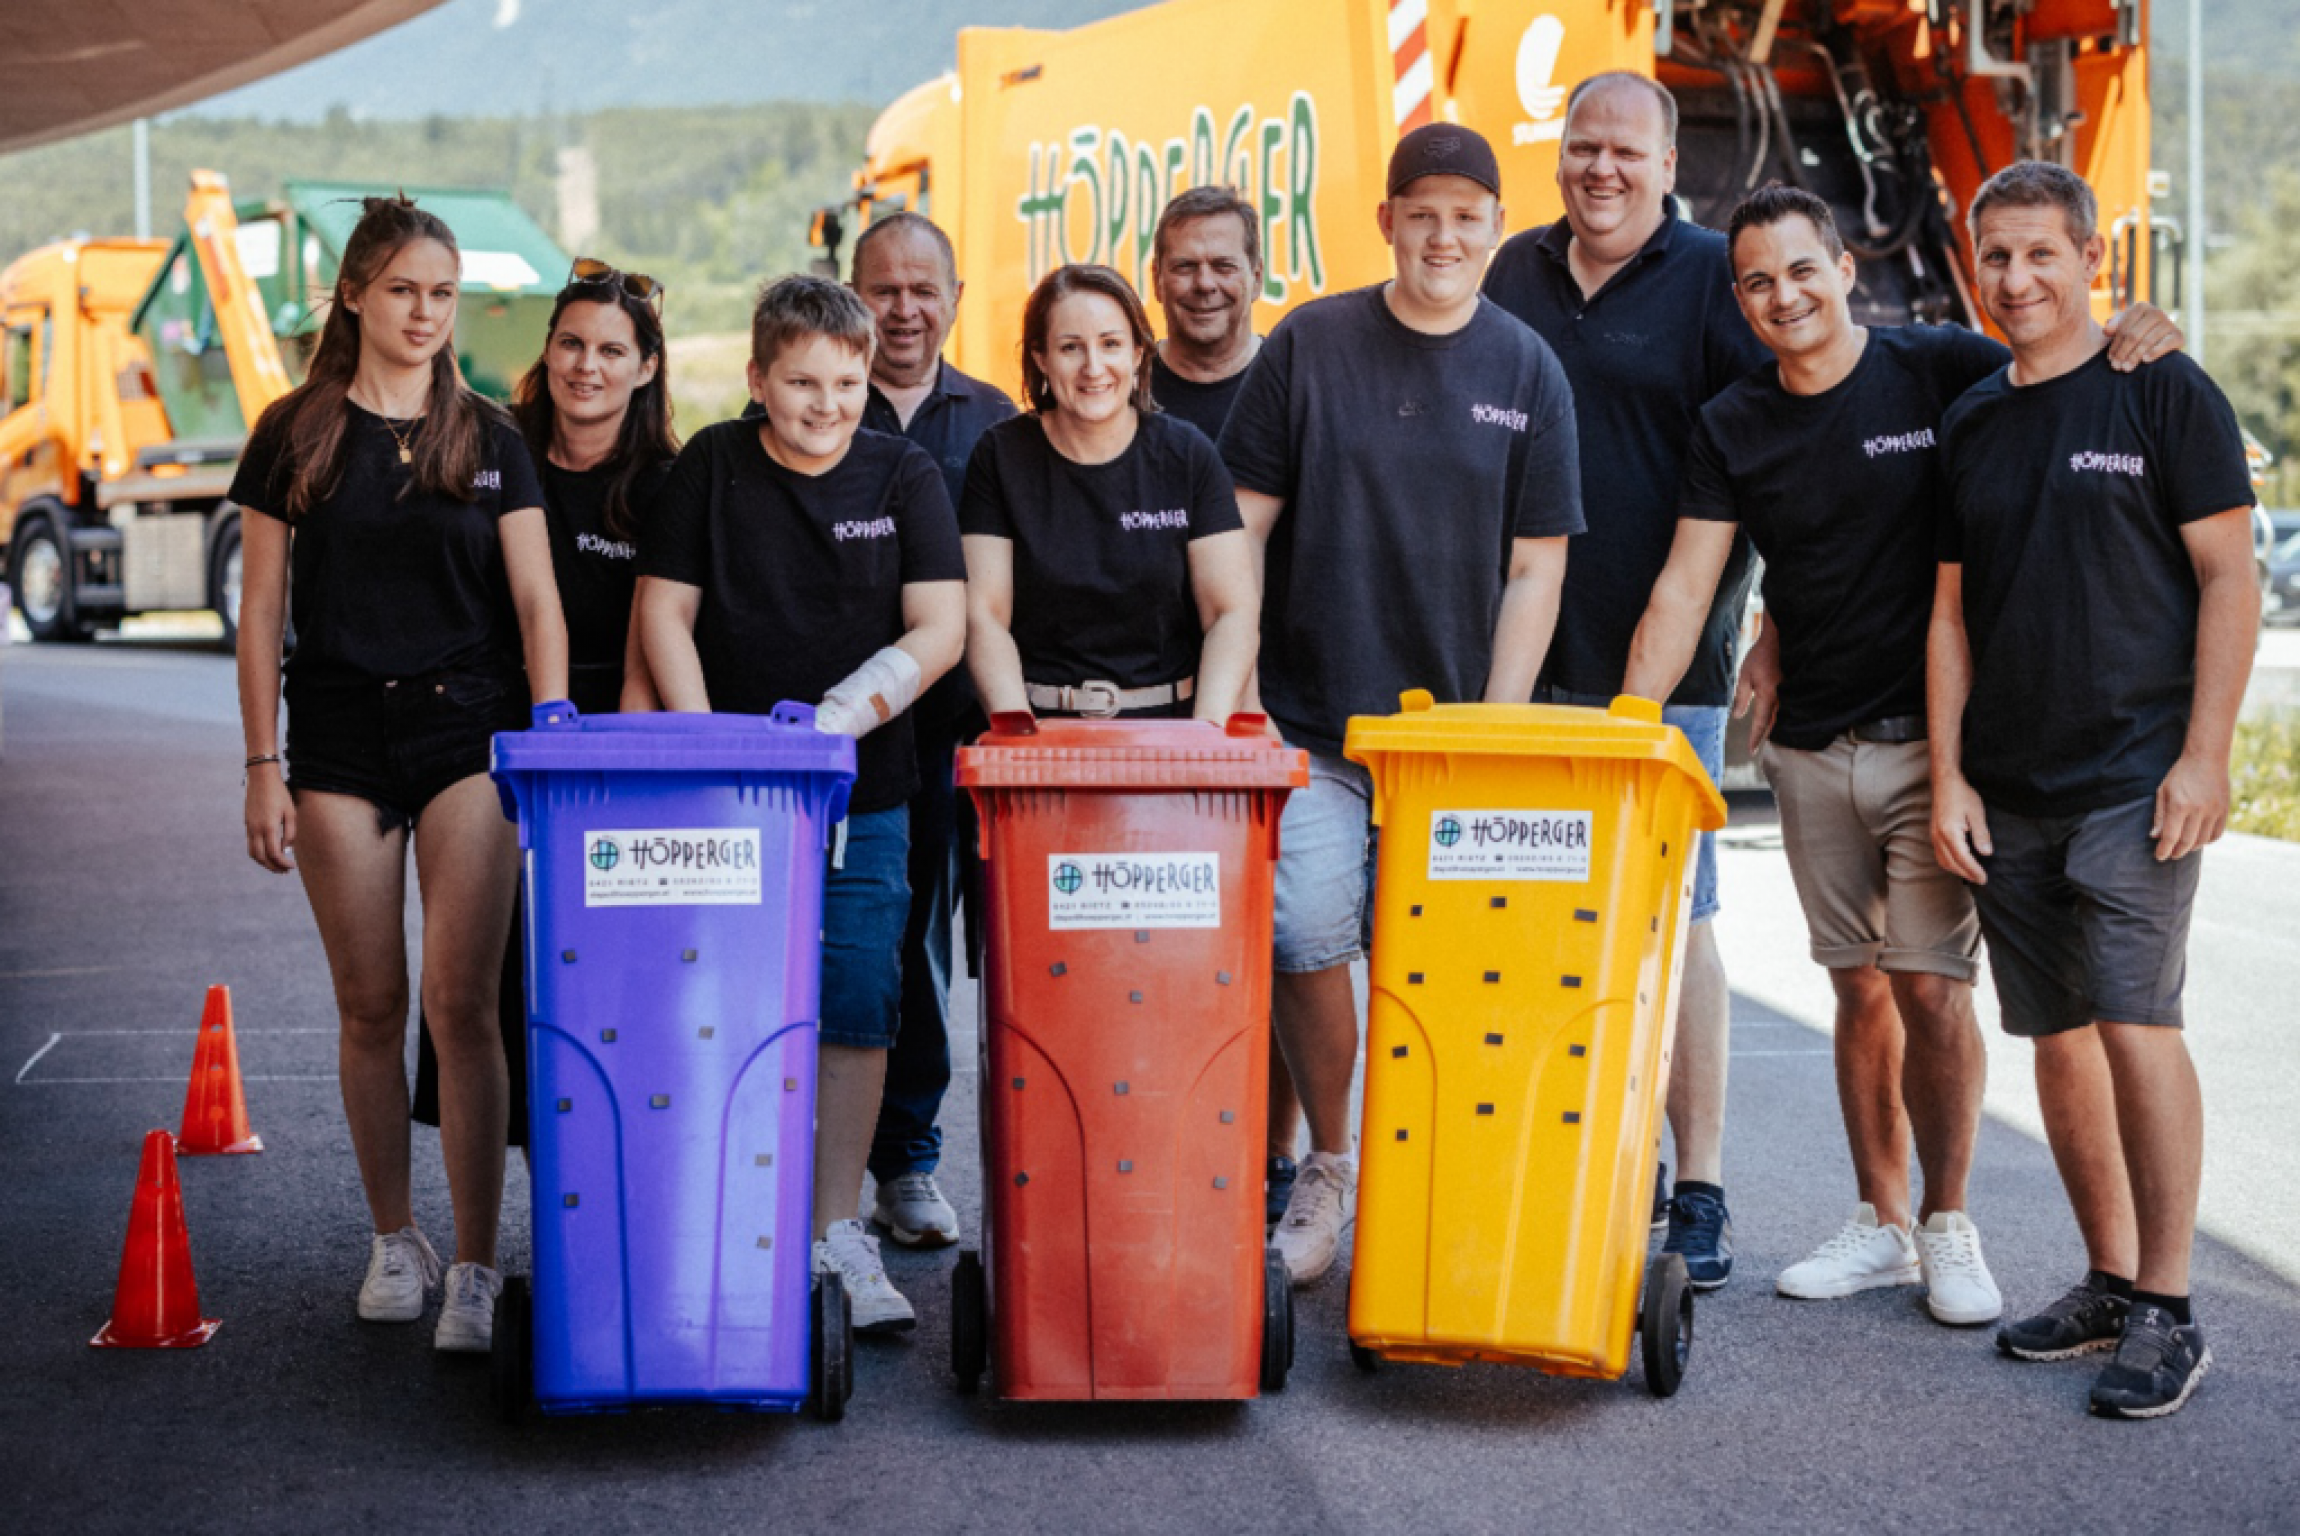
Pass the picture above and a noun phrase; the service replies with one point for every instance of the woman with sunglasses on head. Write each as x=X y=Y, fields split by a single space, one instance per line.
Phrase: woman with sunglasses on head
x=1107 y=568
x=408 y=510
x=595 y=410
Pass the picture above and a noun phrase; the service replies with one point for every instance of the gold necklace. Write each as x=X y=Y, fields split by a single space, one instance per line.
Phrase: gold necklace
x=406 y=452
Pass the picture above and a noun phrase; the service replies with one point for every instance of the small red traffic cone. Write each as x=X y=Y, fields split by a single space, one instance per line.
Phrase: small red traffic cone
x=157 y=1304
x=215 y=1105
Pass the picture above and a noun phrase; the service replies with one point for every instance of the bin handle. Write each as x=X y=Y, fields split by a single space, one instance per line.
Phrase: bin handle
x=1416 y=700
x=1246 y=723
x=791 y=712
x=1629 y=706
x=1013 y=722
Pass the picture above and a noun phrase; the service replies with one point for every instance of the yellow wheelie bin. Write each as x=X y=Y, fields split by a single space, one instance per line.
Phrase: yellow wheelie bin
x=1531 y=894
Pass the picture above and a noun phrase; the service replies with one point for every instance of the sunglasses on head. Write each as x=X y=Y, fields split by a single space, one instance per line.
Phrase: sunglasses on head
x=589 y=272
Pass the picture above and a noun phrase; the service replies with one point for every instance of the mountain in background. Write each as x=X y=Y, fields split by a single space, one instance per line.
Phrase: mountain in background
x=507 y=58
x=511 y=58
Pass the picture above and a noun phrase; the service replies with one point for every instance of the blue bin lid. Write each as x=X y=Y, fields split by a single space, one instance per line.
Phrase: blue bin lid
x=783 y=742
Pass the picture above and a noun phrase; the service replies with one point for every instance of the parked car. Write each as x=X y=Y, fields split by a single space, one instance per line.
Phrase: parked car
x=2280 y=600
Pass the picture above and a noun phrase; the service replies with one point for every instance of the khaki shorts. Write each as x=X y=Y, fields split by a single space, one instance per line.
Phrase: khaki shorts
x=1856 y=818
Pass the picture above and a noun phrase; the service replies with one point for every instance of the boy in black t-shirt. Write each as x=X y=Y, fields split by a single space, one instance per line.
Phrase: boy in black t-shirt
x=2091 y=637
x=1405 y=456
x=795 y=557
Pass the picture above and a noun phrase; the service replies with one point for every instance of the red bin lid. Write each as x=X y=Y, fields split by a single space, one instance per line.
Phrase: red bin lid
x=1022 y=752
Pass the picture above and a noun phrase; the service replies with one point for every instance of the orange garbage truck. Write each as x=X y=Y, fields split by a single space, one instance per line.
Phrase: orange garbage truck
x=1043 y=147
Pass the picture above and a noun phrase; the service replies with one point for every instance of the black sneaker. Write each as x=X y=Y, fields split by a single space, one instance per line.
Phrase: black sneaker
x=2082 y=1322
x=1277 y=1189
x=1701 y=1231
x=2157 y=1366
x=1660 y=1197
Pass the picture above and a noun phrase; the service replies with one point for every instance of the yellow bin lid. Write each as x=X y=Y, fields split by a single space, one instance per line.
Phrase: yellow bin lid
x=1631 y=728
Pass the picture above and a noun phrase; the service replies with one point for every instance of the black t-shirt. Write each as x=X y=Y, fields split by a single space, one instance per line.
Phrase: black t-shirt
x=1840 y=492
x=597 y=572
x=388 y=581
x=1204 y=406
x=802 y=575
x=2066 y=504
x=1661 y=339
x=1102 y=551
x=1408 y=463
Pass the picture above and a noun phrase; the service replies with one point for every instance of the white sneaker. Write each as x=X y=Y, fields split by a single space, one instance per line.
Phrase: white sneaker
x=850 y=1252
x=1963 y=1293
x=467 y=1315
x=911 y=1208
x=1323 y=1203
x=401 y=1270
x=1863 y=1256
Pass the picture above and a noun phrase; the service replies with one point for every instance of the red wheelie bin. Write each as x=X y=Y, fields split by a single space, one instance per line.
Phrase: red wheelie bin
x=1125 y=1062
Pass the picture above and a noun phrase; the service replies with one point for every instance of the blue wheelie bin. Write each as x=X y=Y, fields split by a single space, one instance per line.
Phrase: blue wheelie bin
x=674 y=957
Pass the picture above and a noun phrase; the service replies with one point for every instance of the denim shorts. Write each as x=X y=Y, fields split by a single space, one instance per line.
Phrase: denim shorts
x=1325 y=880
x=866 y=904
x=398 y=742
x=1704 y=728
x=2083 y=922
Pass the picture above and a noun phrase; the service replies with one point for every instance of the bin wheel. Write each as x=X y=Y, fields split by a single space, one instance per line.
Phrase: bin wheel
x=1666 y=1324
x=513 y=1355
x=831 y=1364
x=1277 y=1321
x=969 y=1322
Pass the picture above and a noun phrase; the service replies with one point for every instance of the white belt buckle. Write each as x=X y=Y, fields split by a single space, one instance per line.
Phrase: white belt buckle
x=1096 y=701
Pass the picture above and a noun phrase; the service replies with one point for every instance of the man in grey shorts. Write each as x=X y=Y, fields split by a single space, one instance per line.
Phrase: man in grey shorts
x=1405 y=459
x=2091 y=637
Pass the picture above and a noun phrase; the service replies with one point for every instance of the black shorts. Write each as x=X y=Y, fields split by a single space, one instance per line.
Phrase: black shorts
x=398 y=742
x=2082 y=921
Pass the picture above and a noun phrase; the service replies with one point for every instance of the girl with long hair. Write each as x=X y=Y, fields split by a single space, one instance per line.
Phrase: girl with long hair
x=407 y=508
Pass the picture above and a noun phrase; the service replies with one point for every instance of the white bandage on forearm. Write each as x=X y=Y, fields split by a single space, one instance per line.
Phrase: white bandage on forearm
x=874 y=693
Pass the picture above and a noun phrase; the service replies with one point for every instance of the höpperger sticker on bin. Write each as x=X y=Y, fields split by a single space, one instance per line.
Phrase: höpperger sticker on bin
x=1133 y=890
x=672 y=867
x=1509 y=845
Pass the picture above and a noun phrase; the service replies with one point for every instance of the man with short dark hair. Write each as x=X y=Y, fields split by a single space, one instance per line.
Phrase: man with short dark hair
x=1828 y=460
x=907 y=276
x=1638 y=305
x=1206 y=269
x=2091 y=637
x=1405 y=427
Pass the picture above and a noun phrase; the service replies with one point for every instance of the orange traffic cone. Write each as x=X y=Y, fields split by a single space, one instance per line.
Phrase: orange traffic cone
x=157 y=1304
x=215 y=1105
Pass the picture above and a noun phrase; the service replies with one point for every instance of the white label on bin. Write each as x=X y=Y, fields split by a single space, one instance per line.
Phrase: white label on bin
x=1133 y=890
x=1509 y=845
x=672 y=867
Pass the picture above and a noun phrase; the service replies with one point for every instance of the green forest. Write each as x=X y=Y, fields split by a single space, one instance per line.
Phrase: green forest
x=713 y=200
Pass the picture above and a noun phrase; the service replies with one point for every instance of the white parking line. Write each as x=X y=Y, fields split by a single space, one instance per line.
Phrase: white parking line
x=42 y=1082
x=24 y=1072
x=36 y=1055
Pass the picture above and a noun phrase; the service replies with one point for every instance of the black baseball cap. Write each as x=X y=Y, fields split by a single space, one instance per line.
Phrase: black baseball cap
x=1444 y=149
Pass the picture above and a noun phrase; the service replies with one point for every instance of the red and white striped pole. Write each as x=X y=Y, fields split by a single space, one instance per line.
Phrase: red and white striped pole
x=1410 y=55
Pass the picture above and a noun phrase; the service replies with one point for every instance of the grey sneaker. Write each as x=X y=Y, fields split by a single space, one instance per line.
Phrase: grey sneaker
x=401 y=1270
x=1323 y=1202
x=2082 y=1321
x=467 y=1315
x=1864 y=1256
x=911 y=1208
x=849 y=1251
x=2157 y=1368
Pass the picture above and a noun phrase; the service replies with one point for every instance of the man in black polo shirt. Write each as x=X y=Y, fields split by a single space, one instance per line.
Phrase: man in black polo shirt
x=2092 y=634
x=1638 y=306
x=907 y=277
x=1829 y=460
x=1206 y=269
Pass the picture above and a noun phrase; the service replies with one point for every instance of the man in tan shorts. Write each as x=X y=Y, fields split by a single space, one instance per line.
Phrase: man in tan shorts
x=1829 y=460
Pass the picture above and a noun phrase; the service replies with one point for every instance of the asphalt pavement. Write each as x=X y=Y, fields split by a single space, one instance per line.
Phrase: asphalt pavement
x=124 y=892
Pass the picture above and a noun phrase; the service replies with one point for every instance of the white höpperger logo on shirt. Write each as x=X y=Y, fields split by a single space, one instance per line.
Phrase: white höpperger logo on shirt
x=1499 y=416
x=1170 y=517
x=1543 y=101
x=487 y=480
x=1899 y=442
x=613 y=549
x=863 y=528
x=2108 y=463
